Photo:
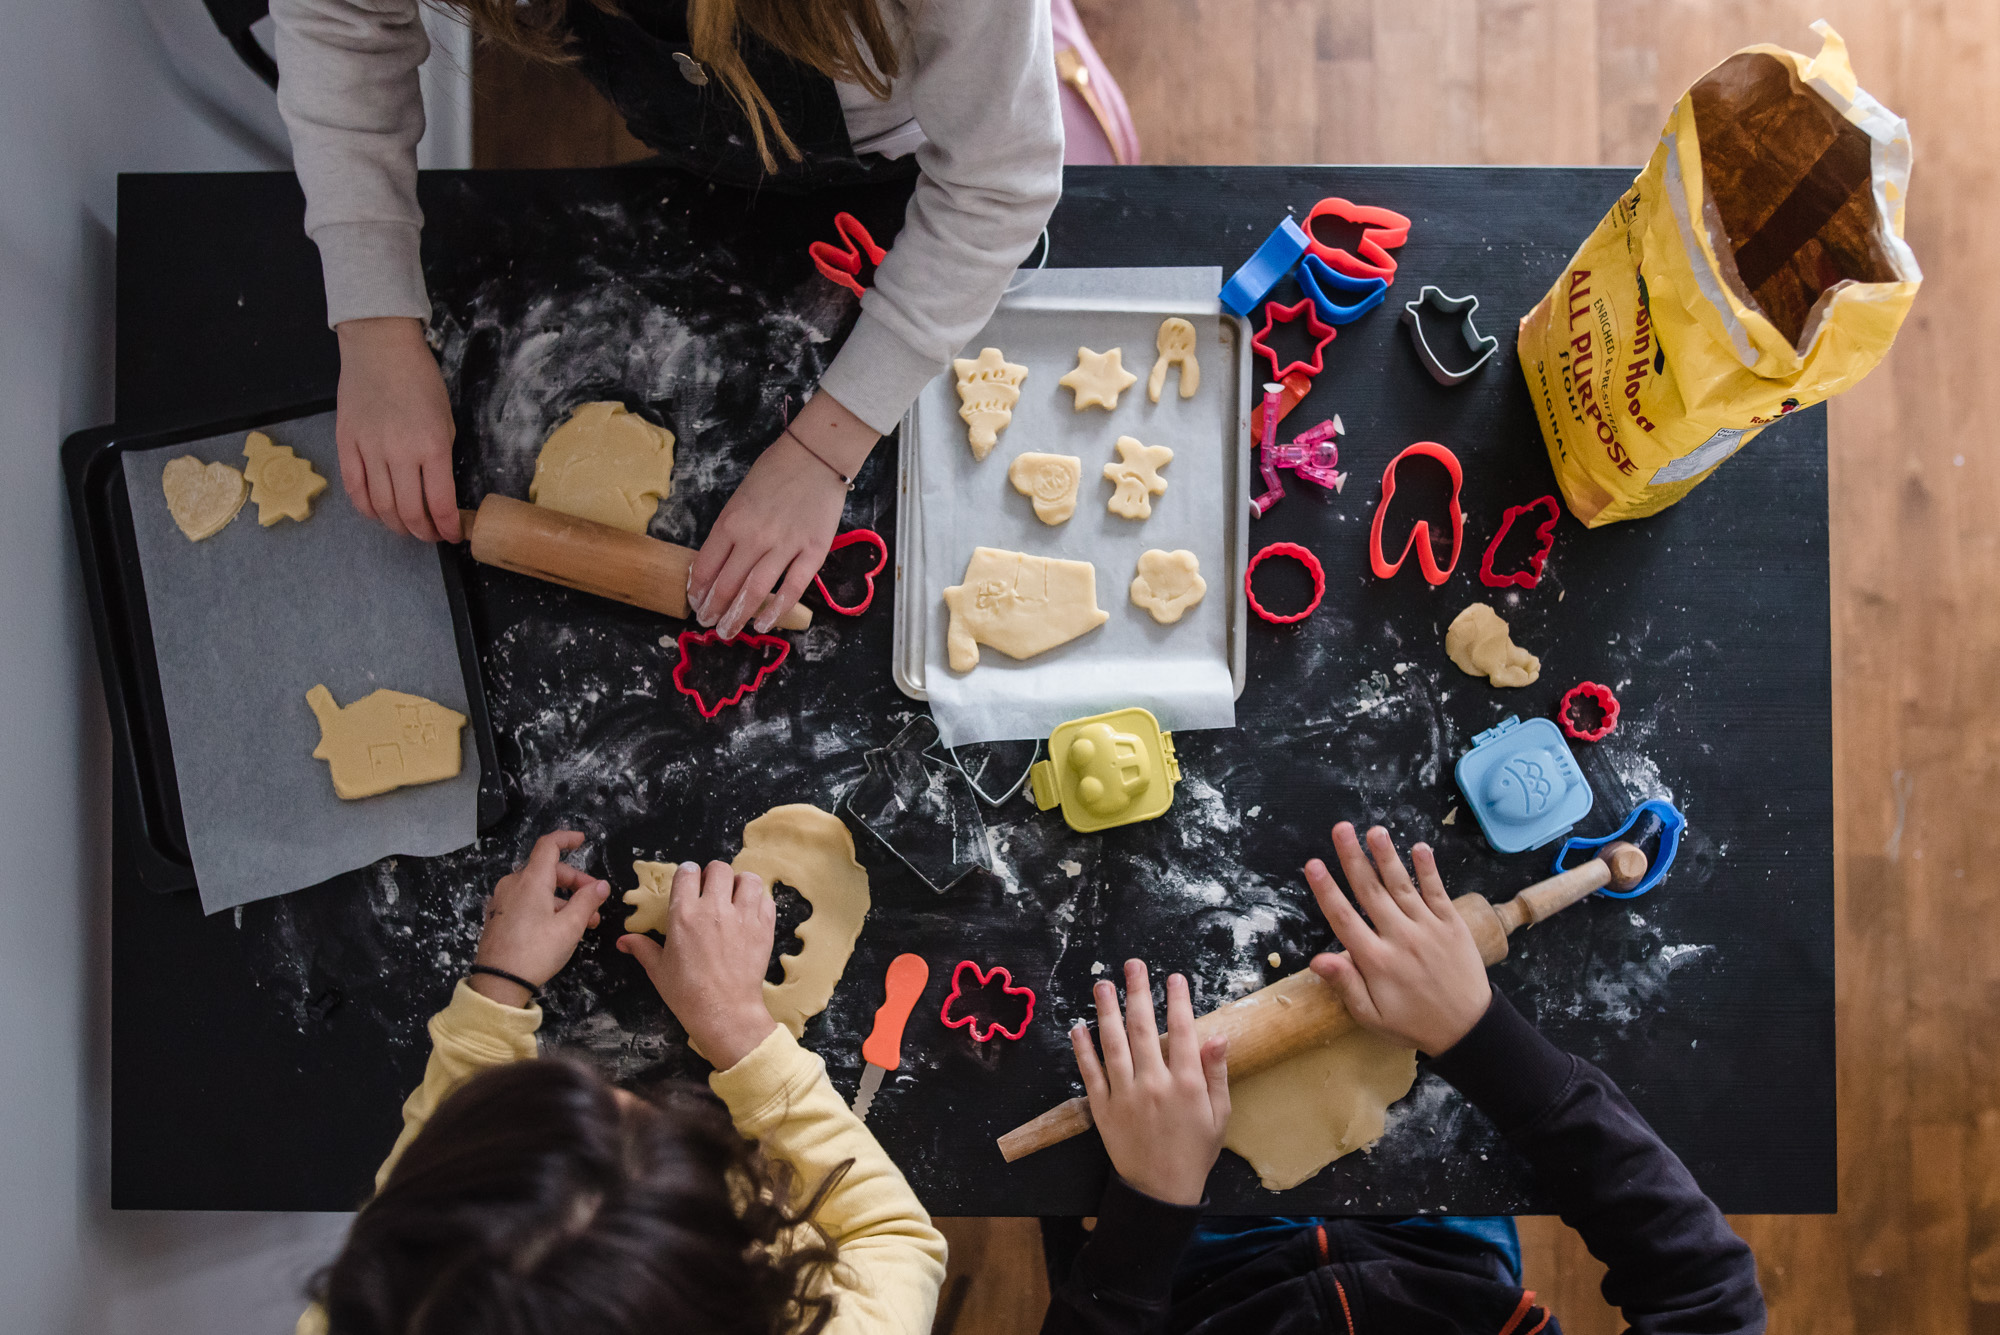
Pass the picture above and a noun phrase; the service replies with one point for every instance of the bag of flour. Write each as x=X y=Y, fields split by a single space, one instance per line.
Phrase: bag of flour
x=1756 y=266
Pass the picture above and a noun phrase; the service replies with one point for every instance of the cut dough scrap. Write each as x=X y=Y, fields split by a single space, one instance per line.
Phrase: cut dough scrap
x=1021 y=605
x=605 y=464
x=1296 y=1118
x=1137 y=478
x=1050 y=481
x=1099 y=378
x=812 y=852
x=1477 y=640
x=386 y=739
x=282 y=484
x=988 y=388
x=201 y=497
x=649 y=902
x=1176 y=343
x=1168 y=584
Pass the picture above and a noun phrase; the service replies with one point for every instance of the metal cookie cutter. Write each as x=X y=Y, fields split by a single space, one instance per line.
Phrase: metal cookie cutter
x=924 y=807
x=1671 y=825
x=688 y=638
x=1453 y=348
x=1420 y=532
x=1545 y=535
x=1106 y=770
x=1382 y=231
x=981 y=977
x=1274 y=315
x=1265 y=269
x=1318 y=279
x=841 y=265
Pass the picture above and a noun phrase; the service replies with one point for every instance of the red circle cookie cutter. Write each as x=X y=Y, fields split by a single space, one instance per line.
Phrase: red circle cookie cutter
x=1545 y=534
x=1305 y=558
x=848 y=539
x=1382 y=231
x=1420 y=533
x=1274 y=315
x=1606 y=701
x=693 y=637
x=981 y=977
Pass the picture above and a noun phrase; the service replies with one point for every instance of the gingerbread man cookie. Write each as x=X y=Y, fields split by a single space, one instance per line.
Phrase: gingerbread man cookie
x=1137 y=477
x=1099 y=378
x=1176 y=344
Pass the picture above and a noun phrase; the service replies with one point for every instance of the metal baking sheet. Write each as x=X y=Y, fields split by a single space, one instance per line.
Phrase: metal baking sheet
x=243 y=624
x=1189 y=673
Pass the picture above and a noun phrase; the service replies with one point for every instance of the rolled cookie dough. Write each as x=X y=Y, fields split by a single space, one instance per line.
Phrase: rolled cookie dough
x=1050 y=481
x=988 y=388
x=1168 y=584
x=605 y=464
x=282 y=484
x=1176 y=345
x=1136 y=477
x=1296 y=1118
x=1477 y=640
x=649 y=902
x=1099 y=378
x=1021 y=605
x=201 y=497
x=386 y=739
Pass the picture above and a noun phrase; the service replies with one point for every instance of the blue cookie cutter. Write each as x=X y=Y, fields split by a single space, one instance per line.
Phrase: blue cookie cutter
x=1671 y=825
x=1278 y=256
x=1522 y=784
x=1317 y=278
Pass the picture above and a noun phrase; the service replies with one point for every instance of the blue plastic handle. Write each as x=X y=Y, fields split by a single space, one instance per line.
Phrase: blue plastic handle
x=1316 y=277
x=1671 y=825
x=1265 y=269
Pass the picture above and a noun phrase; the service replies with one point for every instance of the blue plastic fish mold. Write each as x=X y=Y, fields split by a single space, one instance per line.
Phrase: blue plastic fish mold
x=1522 y=784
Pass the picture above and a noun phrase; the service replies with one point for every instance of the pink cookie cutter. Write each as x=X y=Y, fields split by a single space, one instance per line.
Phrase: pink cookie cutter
x=981 y=977
x=688 y=638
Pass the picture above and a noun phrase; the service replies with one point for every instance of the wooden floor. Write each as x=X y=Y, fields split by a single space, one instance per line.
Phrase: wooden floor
x=1916 y=545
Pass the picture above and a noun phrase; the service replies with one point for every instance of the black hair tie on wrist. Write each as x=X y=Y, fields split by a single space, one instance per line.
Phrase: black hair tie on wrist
x=534 y=993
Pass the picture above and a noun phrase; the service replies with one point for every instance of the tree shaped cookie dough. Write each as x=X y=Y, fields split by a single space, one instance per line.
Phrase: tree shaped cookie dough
x=1019 y=604
x=605 y=464
x=201 y=497
x=988 y=388
x=1176 y=344
x=1168 y=584
x=386 y=739
x=1099 y=378
x=282 y=484
x=1137 y=477
x=1050 y=481
x=1477 y=640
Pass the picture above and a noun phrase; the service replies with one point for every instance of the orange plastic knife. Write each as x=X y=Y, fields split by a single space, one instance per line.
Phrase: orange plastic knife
x=884 y=1049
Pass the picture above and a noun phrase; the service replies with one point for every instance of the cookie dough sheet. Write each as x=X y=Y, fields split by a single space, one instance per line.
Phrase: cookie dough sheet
x=243 y=624
x=1181 y=672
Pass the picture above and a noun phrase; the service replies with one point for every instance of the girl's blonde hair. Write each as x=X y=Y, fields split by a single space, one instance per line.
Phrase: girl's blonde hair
x=830 y=36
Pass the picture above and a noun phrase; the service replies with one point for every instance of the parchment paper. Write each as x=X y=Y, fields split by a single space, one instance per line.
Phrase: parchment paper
x=244 y=624
x=1181 y=671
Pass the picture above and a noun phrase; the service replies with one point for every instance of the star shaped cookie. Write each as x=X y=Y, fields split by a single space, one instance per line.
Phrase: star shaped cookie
x=1099 y=378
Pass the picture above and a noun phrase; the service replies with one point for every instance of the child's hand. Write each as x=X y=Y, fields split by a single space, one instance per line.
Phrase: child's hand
x=531 y=931
x=711 y=971
x=1161 y=1117
x=393 y=426
x=1416 y=975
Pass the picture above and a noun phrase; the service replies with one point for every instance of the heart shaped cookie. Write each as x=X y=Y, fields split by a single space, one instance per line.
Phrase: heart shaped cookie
x=848 y=539
x=201 y=497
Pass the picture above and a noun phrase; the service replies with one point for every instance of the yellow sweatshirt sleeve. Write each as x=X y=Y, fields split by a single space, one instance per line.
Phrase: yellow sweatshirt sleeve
x=891 y=1259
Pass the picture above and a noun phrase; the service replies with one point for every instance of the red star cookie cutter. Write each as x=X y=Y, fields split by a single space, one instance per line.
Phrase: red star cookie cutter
x=848 y=539
x=841 y=265
x=981 y=977
x=688 y=638
x=1545 y=534
x=1274 y=315
x=1420 y=533
x=1606 y=701
x=1305 y=558
x=1382 y=231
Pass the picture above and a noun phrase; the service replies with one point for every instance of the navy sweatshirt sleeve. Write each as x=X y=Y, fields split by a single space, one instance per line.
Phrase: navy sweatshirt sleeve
x=1122 y=1278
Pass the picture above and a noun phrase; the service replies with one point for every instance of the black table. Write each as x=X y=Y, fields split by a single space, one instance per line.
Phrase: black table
x=260 y=1057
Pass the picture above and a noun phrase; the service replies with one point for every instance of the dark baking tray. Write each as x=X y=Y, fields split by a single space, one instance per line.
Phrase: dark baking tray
x=142 y=750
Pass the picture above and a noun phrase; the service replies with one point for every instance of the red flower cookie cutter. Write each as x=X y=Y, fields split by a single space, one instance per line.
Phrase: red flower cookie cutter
x=981 y=977
x=693 y=637
x=1275 y=314
x=1606 y=701
x=1420 y=533
x=1299 y=554
x=848 y=539
x=1382 y=231
x=841 y=265
x=1545 y=534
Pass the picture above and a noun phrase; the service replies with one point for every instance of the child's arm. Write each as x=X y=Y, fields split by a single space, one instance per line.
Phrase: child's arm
x=710 y=973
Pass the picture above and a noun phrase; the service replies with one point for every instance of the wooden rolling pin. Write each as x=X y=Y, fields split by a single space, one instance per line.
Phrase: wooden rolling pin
x=594 y=558
x=1302 y=1011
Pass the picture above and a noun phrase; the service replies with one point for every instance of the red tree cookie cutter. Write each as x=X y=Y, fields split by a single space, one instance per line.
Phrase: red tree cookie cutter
x=981 y=977
x=693 y=637
x=1545 y=534
x=1606 y=701
x=1299 y=554
x=1382 y=231
x=1420 y=533
x=1275 y=314
x=841 y=265
x=848 y=539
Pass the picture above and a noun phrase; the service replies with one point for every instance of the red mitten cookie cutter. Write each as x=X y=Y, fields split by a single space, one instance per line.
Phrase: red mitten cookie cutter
x=693 y=637
x=1545 y=534
x=981 y=977
x=841 y=265
x=1606 y=701
x=1420 y=533
x=848 y=539
x=1274 y=315
x=1383 y=231
x=1299 y=554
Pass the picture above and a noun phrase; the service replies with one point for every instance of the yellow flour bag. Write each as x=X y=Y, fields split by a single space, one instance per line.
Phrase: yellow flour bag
x=1756 y=266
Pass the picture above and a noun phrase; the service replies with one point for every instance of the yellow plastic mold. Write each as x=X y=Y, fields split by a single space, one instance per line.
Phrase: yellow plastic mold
x=1106 y=770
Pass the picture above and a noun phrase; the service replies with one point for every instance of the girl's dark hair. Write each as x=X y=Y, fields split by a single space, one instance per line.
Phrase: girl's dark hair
x=534 y=1202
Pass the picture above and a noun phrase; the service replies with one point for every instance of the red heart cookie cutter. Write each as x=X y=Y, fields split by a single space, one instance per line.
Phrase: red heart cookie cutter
x=1420 y=533
x=841 y=265
x=688 y=638
x=1545 y=534
x=981 y=977
x=848 y=539
x=1382 y=231
x=1606 y=701
x=1274 y=315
